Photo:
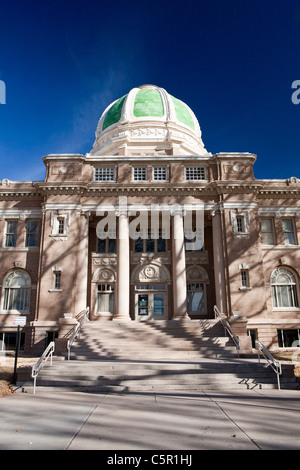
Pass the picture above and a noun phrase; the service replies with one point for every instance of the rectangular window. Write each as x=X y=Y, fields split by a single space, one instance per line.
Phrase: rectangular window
x=104 y=174
x=11 y=233
x=245 y=277
x=267 y=232
x=288 y=232
x=284 y=296
x=195 y=173
x=16 y=298
x=140 y=174
x=151 y=244
x=159 y=173
x=61 y=225
x=195 y=298
x=240 y=224
x=288 y=338
x=57 y=280
x=106 y=298
x=32 y=233
x=107 y=245
x=8 y=341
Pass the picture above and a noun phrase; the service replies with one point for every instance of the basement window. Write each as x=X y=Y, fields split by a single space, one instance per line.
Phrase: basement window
x=288 y=338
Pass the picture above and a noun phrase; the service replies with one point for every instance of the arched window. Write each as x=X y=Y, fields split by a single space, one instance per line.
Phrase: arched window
x=17 y=291
x=284 y=288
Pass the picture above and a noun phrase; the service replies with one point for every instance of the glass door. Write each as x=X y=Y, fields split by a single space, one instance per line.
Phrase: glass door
x=150 y=302
x=158 y=305
x=143 y=305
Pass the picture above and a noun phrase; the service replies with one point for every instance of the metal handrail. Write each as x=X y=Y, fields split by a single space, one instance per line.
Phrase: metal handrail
x=276 y=365
x=76 y=332
x=37 y=367
x=228 y=328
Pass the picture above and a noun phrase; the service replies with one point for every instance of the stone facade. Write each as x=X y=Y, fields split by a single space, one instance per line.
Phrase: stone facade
x=53 y=265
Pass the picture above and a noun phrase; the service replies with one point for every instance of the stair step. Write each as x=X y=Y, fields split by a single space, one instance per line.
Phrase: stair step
x=165 y=356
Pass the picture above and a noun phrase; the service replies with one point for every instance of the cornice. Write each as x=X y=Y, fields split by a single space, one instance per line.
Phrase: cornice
x=261 y=189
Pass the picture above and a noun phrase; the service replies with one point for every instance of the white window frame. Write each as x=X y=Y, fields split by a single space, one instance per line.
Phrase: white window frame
x=8 y=234
x=286 y=233
x=195 y=173
x=28 y=234
x=107 y=289
x=55 y=223
x=272 y=232
x=193 y=287
x=12 y=290
x=281 y=289
x=139 y=173
x=160 y=173
x=104 y=174
x=244 y=216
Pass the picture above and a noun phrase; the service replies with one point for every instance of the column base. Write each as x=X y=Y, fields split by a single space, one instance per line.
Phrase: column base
x=121 y=318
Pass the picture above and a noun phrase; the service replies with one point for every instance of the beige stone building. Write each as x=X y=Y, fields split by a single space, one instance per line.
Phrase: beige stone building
x=182 y=230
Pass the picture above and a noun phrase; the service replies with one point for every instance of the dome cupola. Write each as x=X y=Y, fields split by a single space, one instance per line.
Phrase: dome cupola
x=148 y=121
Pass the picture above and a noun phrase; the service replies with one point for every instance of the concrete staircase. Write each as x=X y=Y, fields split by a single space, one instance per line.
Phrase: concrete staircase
x=166 y=356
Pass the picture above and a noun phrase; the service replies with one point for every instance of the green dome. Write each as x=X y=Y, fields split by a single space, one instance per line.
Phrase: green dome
x=148 y=102
x=113 y=115
x=148 y=119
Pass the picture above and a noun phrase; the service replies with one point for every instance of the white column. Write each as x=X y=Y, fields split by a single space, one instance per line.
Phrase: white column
x=218 y=262
x=123 y=269
x=82 y=268
x=178 y=267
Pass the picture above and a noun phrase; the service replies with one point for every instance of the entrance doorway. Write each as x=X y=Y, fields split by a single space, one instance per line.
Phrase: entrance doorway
x=150 y=302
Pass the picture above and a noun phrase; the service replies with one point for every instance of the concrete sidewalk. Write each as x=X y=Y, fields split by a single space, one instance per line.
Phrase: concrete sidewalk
x=58 y=420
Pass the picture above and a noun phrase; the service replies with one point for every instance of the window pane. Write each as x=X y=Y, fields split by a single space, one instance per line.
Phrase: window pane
x=104 y=174
x=111 y=245
x=268 y=238
x=195 y=173
x=139 y=174
x=150 y=245
x=286 y=338
x=195 y=302
x=11 y=233
x=161 y=245
x=159 y=174
x=287 y=225
x=266 y=225
x=32 y=231
x=289 y=238
x=101 y=245
x=288 y=231
x=16 y=299
x=138 y=245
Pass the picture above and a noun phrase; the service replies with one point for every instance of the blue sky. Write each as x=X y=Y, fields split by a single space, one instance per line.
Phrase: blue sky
x=232 y=61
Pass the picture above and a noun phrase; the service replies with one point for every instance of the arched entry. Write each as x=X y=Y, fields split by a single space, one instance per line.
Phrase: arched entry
x=151 y=282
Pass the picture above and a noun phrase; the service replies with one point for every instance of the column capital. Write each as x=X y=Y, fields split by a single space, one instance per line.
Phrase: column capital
x=121 y=212
x=178 y=211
